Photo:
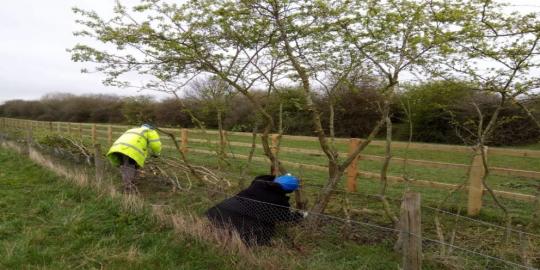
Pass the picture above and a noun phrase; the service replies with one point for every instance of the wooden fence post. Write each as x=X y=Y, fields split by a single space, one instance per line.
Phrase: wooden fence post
x=109 y=135
x=69 y=128
x=184 y=140
x=411 y=231
x=80 y=132
x=352 y=170
x=275 y=150
x=94 y=134
x=476 y=188
x=50 y=127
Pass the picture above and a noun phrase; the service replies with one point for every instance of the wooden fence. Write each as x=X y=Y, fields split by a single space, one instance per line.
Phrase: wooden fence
x=474 y=170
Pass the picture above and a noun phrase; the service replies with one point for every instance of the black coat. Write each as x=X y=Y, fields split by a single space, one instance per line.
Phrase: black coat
x=254 y=211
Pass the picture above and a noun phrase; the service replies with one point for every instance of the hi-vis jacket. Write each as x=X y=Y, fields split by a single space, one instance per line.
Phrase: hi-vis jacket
x=134 y=143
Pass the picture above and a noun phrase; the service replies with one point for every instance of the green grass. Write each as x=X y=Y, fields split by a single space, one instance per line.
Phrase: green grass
x=50 y=224
x=46 y=223
x=333 y=252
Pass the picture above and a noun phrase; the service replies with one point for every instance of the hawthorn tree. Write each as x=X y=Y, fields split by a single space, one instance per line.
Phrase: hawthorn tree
x=168 y=41
x=254 y=44
x=497 y=53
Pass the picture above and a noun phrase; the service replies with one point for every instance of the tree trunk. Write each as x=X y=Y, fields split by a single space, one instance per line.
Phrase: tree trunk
x=335 y=174
x=331 y=120
x=387 y=154
x=250 y=156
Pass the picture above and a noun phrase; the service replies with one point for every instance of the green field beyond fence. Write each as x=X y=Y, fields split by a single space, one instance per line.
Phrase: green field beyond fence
x=420 y=166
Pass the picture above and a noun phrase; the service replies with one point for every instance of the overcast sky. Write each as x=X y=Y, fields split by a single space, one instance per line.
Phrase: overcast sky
x=34 y=36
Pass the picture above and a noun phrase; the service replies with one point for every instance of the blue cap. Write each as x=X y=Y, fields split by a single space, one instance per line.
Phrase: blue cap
x=287 y=182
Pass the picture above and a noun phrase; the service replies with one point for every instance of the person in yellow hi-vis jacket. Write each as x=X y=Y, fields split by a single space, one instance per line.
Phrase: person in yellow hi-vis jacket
x=130 y=151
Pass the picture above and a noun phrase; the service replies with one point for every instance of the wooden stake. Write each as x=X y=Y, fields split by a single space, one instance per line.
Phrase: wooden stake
x=352 y=170
x=29 y=139
x=109 y=135
x=94 y=134
x=29 y=135
x=184 y=140
x=98 y=162
x=69 y=128
x=80 y=131
x=476 y=189
x=411 y=231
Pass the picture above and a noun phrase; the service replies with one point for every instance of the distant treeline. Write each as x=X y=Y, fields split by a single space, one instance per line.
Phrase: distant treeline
x=434 y=109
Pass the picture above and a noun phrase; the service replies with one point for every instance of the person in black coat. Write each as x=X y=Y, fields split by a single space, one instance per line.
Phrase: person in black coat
x=254 y=211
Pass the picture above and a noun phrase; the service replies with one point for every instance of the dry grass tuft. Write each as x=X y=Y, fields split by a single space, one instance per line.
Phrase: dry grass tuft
x=132 y=203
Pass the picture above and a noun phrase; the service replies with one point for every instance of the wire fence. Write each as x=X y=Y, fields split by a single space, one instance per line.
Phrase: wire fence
x=261 y=222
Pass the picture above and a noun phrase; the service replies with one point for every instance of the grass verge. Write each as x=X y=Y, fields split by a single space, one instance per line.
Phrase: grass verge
x=47 y=223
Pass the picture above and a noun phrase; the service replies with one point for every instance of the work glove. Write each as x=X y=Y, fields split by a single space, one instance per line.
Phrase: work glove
x=304 y=214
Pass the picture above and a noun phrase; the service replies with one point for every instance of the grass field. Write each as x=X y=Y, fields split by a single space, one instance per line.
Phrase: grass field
x=46 y=223
x=334 y=252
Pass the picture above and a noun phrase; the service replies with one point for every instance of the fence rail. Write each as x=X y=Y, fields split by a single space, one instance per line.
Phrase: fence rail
x=474 y=187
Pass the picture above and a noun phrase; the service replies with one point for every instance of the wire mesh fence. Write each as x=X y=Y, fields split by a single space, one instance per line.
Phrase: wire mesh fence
x=263 y=222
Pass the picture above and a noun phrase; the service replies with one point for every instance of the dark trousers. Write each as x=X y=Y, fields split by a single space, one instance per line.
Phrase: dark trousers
x=128 y=169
